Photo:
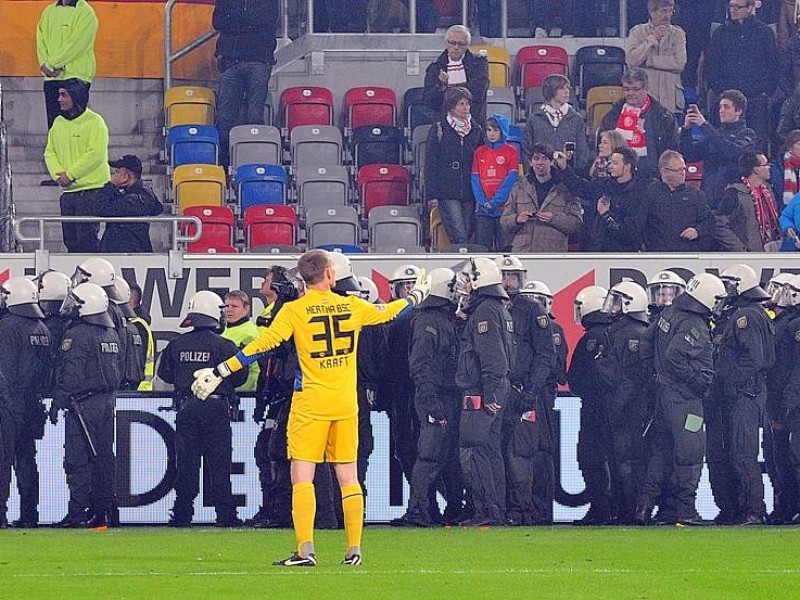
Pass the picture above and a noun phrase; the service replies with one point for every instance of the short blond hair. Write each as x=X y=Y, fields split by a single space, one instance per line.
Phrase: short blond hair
x=311 y=266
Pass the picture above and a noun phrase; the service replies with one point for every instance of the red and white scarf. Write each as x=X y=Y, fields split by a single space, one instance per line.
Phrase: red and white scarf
x=791 y=177
x=462 y=127
x=766 y=212
x=631 y=125
x=554 y=115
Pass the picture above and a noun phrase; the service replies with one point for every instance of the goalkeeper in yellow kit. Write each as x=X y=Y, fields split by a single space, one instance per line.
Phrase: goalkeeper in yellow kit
x=323 y=421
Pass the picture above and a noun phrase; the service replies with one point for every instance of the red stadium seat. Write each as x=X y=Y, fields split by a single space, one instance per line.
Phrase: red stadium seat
x=214 y=249
x=218 y=226
x=383 y=185
x=534 y=63
x=306 y=106
x=694 y=173
x=270 y=226
x=369 y=106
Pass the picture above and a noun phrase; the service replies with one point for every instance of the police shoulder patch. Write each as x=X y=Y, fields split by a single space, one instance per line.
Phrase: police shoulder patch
x=542 y=321
x=663 y=324
x=741 y=322
x=510 y=326
x=633 y=345
x=66 y=344
x=557 y=340
x=432 y=330
x=483 y=326
x=591 y=345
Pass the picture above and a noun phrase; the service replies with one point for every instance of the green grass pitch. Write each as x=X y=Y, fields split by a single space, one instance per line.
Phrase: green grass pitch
x=498 y=563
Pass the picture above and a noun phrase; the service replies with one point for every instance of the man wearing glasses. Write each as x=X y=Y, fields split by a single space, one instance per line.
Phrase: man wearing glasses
x=744 y=56
x=457 y=66
x=648 y=128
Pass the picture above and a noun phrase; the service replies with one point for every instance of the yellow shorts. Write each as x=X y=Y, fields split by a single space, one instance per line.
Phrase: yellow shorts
x=314 y=440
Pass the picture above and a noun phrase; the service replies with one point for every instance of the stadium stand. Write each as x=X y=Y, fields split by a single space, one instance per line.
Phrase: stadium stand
x=415 y=111
x=499 y=64
x=534 y=63
x=437 y=233
x=599 y=101
x=332 y=225
x=274 y=226
x=255 y=144
x=322 y=186
x=306 y=106
x=694 y=173
x=188 y=105
x=503 y=101
x=597 y=66
x=198 y=185
x=193 y=144
x=394 y=227
x=219 y=225
x=419 y=140
x=369 y=106
x=379 y=144
x=260 y=184
x=316 y=145
x=383 y=185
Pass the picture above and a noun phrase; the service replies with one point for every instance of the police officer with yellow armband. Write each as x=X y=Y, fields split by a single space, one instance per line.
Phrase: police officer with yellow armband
x=135 y=348
x=323 y=422
x=683 y=361
x=86 y=383
x=434 y=350
x=485 y=362
x=241 y=330
x=202 y=426
x=746 y=353
x=585 y=381
x=536 y=358
x=25 y=362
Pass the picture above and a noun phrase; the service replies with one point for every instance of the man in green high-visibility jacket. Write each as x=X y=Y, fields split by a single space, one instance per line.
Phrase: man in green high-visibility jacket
x=241 y=331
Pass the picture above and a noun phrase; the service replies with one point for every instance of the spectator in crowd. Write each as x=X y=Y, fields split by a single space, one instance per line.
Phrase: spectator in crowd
x=340 y=16
x=788 y=120
x=646 y=125
x=241 y=331
x=719 y=149
x=448 y=157
x=789 y=75
x=607 y=142
x=674 y=216
x=747 y=218
x=65 y=47
x=695 y=19
x=542 y=17
x=458 y=67
x=614 y=226
x=542 y=213
x=136 y=303
x=77 y=159
x=787 y=21
x=785 y=169
x=489 y=18
x=495 y=169
x=127 y=196
x=743 y=56
x=245 y=54
x=660 y=49
x=427 y=16
x=557 y=123
x=790 y=225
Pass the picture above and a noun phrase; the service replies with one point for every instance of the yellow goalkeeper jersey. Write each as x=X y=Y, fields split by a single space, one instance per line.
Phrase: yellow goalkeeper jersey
x=325 y=327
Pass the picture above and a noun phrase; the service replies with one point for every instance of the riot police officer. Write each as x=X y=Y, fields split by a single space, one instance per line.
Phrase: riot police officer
x=683 y=360
x=547 y=456
x=485 y=361
x=86 y=382
x=662 y=289
x=6 y=449
x=135 y=347
x=434 y=348
x=789 y=407
x=528 y=425
x=397 y=387
x=746 y=353
x=622 y=370
x=585 y=381
x=53 y=289
x=25 y=362
x=202 y=428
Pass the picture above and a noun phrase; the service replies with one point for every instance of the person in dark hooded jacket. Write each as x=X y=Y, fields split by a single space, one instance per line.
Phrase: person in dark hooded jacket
x=495 y=169
x=77 y=160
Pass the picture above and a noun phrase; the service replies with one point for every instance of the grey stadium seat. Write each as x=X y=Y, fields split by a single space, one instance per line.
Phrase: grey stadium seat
x=322 y=186
x=316 y=145
x=393 y=227
x=501 y=100
x=419 y=139
x=332 y=225
x=255 y=145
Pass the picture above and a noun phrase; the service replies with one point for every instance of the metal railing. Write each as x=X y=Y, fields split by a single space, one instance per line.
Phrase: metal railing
x=175 y=258
x=6 y=191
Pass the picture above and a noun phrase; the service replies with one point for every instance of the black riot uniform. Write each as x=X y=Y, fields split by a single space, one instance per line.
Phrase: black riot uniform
x=87 y=379
x=593 y=436
x=135 y=350
x=396 y=393
x=202 y=427
x=746 y=352
x=620 y=366
x=121 y=327
x=790 y=398
x=683 y=360
x=25 y=362
x=485 y=360
x=434 y=351
x=535 y=362
x=6 y=449
x=777 y=452
x=372 y=347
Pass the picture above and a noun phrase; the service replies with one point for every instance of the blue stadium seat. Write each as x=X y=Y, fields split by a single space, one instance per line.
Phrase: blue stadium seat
x=193 y=145
x=260 y=184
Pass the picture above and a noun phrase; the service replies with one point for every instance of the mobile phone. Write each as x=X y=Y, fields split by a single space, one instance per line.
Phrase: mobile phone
x=569 y=147
x=693 y=108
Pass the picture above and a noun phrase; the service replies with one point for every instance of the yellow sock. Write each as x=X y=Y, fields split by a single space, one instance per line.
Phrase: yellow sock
x=353 y=509
x=304 y=508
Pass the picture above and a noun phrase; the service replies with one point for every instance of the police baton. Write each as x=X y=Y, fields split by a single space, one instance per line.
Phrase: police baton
x=75 y=406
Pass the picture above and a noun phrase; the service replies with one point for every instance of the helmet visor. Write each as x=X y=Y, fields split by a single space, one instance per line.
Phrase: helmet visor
x=400 y=289
x=577 y=312
x=613 y=303
x=79 y=276
x=781 y=296
x=731 y=286
x=663 y=294
x=71 y=305
x=513 y=281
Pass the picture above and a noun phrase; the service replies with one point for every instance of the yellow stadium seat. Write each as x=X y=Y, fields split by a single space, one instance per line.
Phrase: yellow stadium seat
x=599 y=101
x=189 y=105
x=198 y=185
x=499 y=64
x=439 y=238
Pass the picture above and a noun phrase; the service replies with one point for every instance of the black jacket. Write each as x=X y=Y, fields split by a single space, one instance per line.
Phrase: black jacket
x=778 y=375
x=665 y=213
x=536 y=354
x=622 y=370
x=615 y=231
x=660 y=129
x=477 y=70
x=448 y=162
x=583 y=377
x=24 y=360
x=558 y=374
x=134 y=201
x=743 y=56
x=246 y=31
x=719 y=150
